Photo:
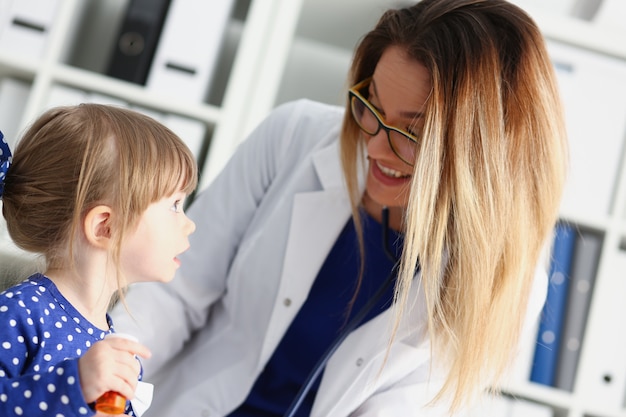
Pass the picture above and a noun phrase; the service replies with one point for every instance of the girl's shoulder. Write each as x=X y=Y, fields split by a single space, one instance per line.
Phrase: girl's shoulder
x=29 y=289
x=27 y=299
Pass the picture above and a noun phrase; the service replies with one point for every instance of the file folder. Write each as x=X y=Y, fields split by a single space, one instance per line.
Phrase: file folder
x=26 y=28
x=137 y=40
x=187 y=53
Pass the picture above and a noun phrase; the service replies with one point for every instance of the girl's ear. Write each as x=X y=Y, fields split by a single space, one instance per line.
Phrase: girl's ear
x=97 y=226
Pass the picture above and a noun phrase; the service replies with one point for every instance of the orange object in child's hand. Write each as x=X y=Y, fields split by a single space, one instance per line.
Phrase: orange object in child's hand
x=111 y=403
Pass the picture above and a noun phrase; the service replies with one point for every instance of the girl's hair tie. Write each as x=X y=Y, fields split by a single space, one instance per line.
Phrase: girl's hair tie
x=5 y=161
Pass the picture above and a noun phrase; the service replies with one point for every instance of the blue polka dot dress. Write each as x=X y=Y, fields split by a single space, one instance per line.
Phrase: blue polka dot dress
x=41 y=338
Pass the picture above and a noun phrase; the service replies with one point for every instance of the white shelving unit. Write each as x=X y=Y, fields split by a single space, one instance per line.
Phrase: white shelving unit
x=278 y=50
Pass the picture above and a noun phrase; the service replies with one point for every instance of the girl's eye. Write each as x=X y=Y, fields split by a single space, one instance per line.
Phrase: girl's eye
x=177 y=207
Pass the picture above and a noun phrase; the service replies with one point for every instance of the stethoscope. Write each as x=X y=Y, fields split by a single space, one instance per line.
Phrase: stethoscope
x=352 y=324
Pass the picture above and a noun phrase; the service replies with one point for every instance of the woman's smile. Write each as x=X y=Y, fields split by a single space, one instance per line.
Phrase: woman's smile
x=390 y=172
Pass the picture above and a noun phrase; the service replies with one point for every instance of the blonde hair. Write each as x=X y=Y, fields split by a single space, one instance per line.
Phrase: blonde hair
x=74 y=158
x=487 y=180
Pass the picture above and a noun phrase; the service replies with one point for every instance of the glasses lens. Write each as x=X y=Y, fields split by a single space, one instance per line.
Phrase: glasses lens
x=404 y=147
x=364 y=117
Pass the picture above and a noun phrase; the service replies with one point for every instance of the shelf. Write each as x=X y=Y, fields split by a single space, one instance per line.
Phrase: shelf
x=133 y=93
x=17 y=66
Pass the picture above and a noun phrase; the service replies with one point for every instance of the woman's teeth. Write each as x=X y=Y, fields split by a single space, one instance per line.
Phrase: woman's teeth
x=390 y=172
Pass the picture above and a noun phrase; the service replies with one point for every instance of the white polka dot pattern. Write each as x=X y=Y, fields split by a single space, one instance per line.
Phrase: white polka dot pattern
x=41 y=339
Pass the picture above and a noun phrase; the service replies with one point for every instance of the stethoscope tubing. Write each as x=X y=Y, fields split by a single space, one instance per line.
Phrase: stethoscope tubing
x=351 y=325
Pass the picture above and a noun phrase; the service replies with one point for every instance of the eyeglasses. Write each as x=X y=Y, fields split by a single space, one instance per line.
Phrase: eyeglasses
x=402 y=143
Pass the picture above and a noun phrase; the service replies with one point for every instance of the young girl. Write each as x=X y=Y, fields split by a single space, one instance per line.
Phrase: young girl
x=98 y=191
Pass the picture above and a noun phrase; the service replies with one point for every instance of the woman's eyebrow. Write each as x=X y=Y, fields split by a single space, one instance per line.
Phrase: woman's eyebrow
x=405 y=114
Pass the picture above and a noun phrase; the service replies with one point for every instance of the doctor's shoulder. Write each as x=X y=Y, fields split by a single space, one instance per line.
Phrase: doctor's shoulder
x=305 y=124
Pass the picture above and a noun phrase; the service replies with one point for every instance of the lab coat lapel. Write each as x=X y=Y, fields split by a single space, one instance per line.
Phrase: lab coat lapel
x=317 y=218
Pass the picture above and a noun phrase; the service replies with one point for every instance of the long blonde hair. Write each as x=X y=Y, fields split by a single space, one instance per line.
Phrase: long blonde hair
x=487 y=180
x=74 y=158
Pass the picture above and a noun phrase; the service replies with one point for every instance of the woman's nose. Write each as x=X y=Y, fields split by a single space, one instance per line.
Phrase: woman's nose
x=378 y=144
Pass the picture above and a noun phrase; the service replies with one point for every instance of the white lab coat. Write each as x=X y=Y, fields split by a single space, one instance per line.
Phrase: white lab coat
x=264 y=228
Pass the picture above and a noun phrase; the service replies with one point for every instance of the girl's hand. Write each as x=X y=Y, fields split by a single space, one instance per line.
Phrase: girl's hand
x=111 y=365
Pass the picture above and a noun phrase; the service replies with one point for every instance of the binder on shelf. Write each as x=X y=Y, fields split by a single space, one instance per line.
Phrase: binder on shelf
x=26 y=28
x=187 y=53
x=549 y=334
x=585 y=9
x=13 y=97
x=137 y=40
x=584 y=266
x=587 y=77
x=602 y=368
x=611 y=14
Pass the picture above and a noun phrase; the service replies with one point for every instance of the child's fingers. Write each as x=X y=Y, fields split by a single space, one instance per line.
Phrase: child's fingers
x=131 y=346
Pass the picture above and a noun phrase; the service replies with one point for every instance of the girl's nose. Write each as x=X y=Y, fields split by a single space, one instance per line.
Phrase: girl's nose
x=190 y=226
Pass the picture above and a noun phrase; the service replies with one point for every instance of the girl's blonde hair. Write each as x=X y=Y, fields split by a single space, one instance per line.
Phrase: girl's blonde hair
x=487 y=180
x=74 y=158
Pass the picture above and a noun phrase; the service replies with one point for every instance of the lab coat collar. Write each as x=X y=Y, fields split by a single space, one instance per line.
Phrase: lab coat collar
x=327 y=163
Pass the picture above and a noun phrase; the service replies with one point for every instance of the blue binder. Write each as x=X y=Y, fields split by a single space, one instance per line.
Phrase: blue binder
x=552 y=316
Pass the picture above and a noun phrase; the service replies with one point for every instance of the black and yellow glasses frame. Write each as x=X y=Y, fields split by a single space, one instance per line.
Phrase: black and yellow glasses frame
x=367 y=117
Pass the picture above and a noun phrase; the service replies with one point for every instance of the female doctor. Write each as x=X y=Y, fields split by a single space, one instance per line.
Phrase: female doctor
x=453 y=124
